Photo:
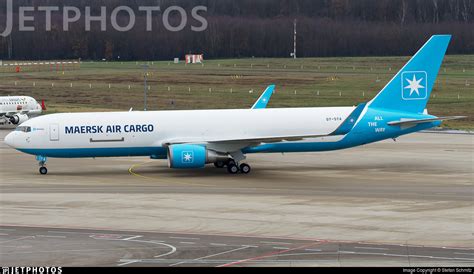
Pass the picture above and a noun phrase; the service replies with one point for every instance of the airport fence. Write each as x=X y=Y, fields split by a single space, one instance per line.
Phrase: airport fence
x=39 y=66
x=138 y=88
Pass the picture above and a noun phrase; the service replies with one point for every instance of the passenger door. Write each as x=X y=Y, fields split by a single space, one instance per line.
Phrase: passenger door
x=54 y=132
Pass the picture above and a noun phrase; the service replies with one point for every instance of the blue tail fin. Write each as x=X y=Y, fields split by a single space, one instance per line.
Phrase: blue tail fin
x=264 y=99
x=410 y=89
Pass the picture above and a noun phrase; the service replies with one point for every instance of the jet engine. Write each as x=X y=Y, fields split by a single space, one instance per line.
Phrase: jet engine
x=192 y=156
x=18 y=118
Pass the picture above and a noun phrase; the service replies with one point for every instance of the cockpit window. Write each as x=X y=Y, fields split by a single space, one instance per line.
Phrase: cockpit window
x=23 y=129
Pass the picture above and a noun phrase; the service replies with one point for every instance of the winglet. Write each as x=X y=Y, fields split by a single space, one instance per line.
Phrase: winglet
x=350 y=122
x=264 y=99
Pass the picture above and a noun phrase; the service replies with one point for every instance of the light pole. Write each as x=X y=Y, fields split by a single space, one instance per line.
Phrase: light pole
x=294 y=39
x=145 y=67
x=10 y=47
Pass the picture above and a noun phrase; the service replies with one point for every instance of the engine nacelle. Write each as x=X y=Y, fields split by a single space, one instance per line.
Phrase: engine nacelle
x=18 y=119
x=192 y=156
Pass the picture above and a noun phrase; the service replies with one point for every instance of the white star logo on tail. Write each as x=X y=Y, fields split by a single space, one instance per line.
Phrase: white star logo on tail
x=417 y=88
x=414 y=85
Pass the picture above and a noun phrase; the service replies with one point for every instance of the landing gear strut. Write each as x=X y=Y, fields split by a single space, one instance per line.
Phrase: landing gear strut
x=42 y=162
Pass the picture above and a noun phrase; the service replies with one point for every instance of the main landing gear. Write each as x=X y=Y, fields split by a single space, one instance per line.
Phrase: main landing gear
x=233 y=167
x=42 y=162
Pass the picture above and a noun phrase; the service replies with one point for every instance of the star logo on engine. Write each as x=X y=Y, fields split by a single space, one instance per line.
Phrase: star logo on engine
x=187 y=157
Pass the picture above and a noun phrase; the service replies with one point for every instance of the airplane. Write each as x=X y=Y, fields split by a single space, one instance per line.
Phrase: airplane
x=194 y=138
x=15 y=110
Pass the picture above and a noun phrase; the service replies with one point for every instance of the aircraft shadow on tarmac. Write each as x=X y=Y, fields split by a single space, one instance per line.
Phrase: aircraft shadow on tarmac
x=258 y=171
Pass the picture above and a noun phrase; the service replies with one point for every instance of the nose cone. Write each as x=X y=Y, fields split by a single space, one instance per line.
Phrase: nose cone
x=10 y=139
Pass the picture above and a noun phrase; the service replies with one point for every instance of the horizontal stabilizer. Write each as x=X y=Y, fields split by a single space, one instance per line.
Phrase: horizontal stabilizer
x=405 y=122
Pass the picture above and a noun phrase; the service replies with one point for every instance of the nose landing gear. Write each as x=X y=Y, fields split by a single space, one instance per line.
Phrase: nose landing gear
x=42 y=162
x=43 y=170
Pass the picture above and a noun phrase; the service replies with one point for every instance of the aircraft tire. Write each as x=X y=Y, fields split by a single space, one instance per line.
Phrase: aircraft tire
x=43 y=170
x=245 y=169
x=232 y=169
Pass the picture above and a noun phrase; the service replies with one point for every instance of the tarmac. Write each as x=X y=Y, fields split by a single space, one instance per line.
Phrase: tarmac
x=404 y=203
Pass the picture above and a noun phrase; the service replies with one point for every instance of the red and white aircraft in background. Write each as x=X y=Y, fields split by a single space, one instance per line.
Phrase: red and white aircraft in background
x=15 y=110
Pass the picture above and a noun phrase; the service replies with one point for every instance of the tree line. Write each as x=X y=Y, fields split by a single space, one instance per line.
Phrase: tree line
x=246 y=28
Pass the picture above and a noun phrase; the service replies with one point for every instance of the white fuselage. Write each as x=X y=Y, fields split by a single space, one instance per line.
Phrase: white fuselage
x=23 y=106
x=154 y=129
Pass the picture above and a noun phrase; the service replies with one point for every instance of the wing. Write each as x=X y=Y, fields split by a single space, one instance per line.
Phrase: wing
x=8 y=114
x=259 y=139
x=235 y=145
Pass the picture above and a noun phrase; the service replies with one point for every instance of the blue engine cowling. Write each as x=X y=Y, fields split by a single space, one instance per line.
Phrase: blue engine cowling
x=186 y=156
x=192 y=156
